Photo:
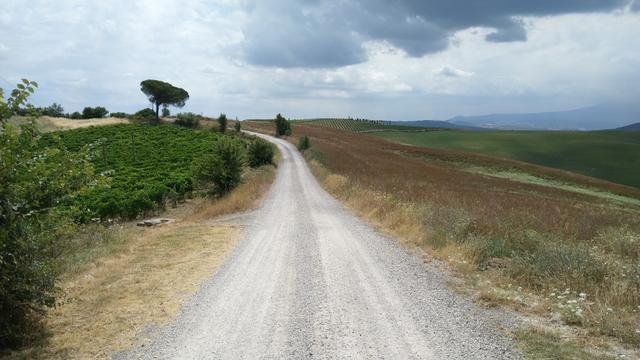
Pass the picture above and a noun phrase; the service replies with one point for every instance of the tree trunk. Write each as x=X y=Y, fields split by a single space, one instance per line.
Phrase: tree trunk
x=157 y=113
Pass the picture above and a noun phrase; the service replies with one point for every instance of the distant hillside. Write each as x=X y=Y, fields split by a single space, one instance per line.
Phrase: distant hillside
x=599 y=117
x=355 y=125
x=434 y=124
x=632 y=127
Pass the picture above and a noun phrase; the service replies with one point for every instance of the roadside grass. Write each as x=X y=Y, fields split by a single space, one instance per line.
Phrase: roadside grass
x=120 y=281
x=541 y=344
x=541 y=250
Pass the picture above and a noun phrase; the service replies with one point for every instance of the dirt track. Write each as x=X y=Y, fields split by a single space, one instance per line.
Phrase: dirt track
x=310 y=280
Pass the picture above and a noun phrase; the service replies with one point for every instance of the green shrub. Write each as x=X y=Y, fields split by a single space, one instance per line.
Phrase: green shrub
x=222 y=123
x=221 y=170
x=304 y=143
x=238 y=126
x=260 y=153
x=188 y=119
x=144 y=116
x=35 y=182
x=282 y=126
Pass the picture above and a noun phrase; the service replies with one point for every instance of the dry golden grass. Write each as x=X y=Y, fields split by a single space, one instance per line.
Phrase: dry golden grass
x=143 y=277
x=68 y=124
x=516 y=244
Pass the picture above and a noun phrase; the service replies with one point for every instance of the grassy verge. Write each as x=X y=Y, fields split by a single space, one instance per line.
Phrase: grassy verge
x=564 y=258
x=120 y=280
x=592 y=287
x=542 y=344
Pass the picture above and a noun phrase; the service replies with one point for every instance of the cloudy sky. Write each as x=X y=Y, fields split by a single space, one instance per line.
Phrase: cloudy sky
x=382 y=59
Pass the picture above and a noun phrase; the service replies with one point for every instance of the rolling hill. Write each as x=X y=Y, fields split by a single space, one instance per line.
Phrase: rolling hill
x=608 y=155
x=632 y=127
x=598 y=117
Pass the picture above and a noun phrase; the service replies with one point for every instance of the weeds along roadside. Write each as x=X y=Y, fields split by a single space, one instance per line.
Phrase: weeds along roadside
x=545 y=252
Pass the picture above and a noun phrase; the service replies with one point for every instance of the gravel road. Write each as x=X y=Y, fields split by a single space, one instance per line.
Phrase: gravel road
x=310 y=280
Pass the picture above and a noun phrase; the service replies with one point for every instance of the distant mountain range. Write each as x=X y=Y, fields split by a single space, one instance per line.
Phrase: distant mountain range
x=632 y=127
x=598 y=117
x=434 y=124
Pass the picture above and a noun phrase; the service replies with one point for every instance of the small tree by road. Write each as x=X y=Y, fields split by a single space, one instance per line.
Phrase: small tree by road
x=304 y=143
x=222 y=123
x=161 y=93
x=282 y=126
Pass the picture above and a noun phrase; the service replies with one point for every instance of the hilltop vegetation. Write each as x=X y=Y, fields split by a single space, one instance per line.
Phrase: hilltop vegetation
x=608 y=155
x=356 y=125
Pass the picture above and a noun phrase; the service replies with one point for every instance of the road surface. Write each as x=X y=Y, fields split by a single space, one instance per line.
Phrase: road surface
x=310 y=280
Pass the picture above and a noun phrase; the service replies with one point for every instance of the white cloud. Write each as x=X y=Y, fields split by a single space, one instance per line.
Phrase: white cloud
x=567 y=61
x=450 y=71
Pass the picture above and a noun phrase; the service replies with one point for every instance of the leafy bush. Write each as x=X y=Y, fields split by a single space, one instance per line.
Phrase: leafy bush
x=238 y=126
x=188 y=119
x=144 y=116
x=222 y=123
x=165 y=111
x=94 y=113
x=222 y=168
x=35 y=181
x=260 y=153
x=304 y=143
x=119 y=115
x=75 y=116
x=282 y=126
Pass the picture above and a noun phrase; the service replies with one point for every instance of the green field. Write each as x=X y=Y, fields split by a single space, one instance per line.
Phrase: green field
x=608 y=155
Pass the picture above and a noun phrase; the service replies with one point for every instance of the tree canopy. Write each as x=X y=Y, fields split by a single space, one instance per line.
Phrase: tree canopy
x=162 y=93
x=282 y=126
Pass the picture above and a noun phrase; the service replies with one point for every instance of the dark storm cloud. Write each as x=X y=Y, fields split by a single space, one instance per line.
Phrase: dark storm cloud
x=324 y=33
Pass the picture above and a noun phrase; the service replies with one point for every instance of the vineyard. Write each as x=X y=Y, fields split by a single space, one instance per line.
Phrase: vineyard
x=355 y=125
x=143 y=166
